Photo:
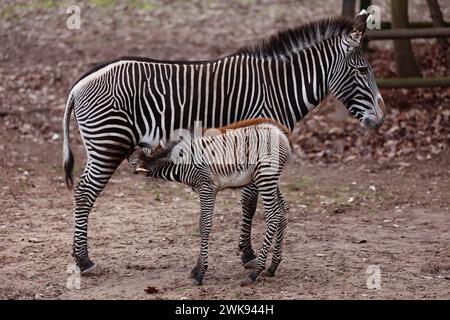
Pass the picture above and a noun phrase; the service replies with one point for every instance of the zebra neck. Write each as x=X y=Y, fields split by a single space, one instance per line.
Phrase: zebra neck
x=295 y=84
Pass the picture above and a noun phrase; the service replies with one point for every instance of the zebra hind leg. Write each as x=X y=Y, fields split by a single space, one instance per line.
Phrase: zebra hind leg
x=94 y=178
x=249 y=202
x=278 y=247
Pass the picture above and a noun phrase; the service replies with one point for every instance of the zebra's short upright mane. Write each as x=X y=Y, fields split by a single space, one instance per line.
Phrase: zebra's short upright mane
x=299 y=38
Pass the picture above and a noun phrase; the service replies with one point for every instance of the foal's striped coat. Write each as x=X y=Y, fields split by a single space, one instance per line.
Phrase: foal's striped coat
x=252 y=152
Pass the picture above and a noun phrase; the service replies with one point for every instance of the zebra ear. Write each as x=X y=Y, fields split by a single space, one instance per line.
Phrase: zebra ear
x=359 y=28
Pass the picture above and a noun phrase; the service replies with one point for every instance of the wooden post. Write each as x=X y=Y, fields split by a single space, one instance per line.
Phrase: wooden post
x=438 y=21
x=348 y=8
x=364 y=5
x=404 y=57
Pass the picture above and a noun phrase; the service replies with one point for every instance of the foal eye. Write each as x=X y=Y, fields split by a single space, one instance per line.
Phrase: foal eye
x=363 y=70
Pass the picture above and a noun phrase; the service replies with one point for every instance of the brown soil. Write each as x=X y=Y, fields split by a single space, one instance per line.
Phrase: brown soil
x=144 y=233
x=349 y=208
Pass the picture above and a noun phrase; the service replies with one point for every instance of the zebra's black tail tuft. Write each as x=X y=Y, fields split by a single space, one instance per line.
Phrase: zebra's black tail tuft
x=68 y=168
x=67 y=152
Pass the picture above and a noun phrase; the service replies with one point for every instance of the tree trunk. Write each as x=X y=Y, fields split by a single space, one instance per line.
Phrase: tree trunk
x=438 y=21
x=348 y=8
x=404 y=56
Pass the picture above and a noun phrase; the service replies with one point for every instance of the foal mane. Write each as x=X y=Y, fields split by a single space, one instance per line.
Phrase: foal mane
x=253 y=122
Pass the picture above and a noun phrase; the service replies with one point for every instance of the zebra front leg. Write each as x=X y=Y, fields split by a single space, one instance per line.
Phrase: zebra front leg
x=270 y=200
x=207 y=197
x=249 y=200
x=278 y=247
x=93 y=180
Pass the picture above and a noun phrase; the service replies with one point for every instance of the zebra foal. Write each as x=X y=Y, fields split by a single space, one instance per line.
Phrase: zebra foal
x=248 y=152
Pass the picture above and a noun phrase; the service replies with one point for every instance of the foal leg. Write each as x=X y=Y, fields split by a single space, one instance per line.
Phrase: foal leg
x=249 y=201
x=207 y=197
x=267 y=186
x=278 y=247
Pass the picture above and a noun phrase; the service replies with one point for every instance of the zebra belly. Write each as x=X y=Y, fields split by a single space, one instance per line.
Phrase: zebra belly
x=235 y=179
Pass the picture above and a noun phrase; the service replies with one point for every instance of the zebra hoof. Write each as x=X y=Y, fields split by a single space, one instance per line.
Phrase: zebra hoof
x=87 y=266
x=247 y=282
x=268 y=273
x=94 y=270
x=251 y=264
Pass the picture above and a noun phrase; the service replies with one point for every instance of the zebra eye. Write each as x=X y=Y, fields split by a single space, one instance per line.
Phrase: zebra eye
x=363 y=70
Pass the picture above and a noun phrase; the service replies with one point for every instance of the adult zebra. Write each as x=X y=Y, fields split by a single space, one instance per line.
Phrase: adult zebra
x=131 y=100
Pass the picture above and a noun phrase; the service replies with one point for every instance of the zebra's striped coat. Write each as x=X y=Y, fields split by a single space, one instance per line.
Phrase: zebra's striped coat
x=134 y=100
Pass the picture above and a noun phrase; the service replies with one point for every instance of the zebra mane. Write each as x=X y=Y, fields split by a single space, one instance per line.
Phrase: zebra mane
x=300 y=37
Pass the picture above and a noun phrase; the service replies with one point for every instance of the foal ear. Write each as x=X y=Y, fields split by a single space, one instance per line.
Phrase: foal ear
x=358 y=29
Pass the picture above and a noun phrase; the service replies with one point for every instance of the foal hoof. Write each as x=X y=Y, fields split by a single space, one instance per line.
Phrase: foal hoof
x=268 y=273
x=251 y=264
x=249 y=259
x=194 y=272
x=246 y=282
x=197 y=277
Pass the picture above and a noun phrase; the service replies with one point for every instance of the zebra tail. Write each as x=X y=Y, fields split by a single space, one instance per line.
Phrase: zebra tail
x=69 y=160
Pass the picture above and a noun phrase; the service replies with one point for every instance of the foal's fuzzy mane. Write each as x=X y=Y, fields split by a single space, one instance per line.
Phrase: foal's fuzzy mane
x=300 y=37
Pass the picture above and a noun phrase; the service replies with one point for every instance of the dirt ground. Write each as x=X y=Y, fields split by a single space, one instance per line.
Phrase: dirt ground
x=342 y=219
x=355 y=202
